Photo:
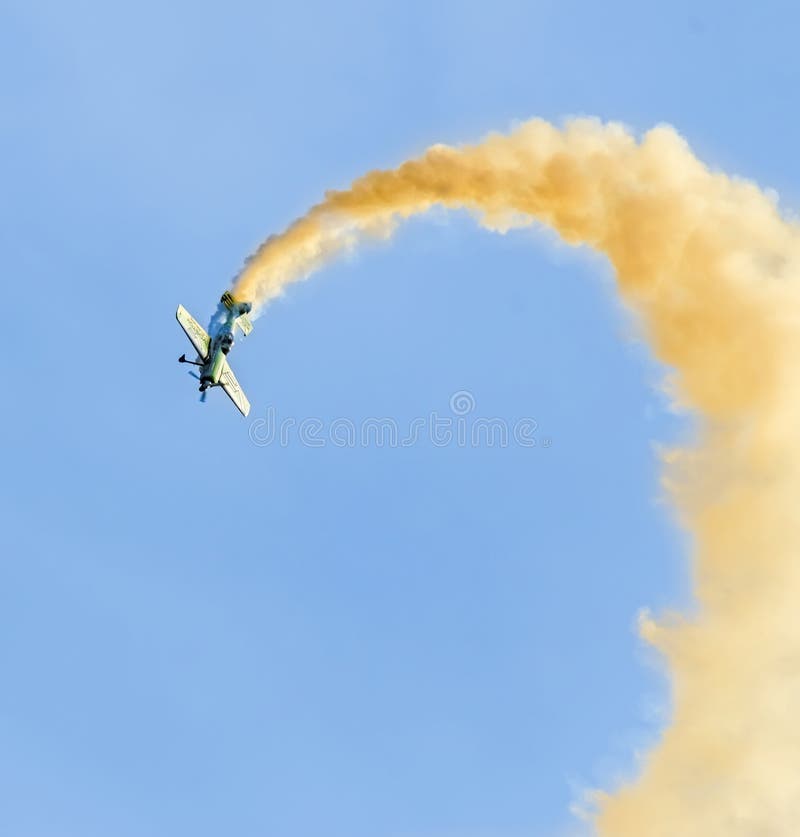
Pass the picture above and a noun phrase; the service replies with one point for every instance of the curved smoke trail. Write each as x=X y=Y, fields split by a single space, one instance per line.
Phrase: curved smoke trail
x=710 y=268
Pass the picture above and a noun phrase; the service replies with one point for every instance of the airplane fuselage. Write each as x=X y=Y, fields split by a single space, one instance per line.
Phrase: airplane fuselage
x=221 y=344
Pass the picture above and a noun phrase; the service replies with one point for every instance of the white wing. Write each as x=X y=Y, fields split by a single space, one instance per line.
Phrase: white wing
x=234 y=391
x=194 y=331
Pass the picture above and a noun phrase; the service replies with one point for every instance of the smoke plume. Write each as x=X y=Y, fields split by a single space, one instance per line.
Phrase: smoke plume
x=710 y=268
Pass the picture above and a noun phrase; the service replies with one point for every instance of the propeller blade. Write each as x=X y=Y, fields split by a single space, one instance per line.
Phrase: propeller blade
x=195 y=375
x=203 y=395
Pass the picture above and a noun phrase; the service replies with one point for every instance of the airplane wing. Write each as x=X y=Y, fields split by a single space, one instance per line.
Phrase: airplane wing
x=233 y=390
x=194 y=331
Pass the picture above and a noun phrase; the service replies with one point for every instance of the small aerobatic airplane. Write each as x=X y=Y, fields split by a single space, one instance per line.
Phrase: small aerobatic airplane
x=212 y=352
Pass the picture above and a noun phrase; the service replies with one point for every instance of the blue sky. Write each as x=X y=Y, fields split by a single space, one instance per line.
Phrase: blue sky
x=200 y=635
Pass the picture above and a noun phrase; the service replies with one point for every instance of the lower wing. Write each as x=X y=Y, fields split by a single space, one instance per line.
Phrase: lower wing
x=231 y=386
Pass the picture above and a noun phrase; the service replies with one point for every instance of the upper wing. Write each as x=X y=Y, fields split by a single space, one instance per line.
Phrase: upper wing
x=234 y=391
x=194 y=331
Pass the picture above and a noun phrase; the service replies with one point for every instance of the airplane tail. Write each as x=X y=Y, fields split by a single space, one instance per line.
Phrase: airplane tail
x=242 y=308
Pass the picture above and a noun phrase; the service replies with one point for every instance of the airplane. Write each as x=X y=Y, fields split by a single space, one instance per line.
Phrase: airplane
x=212 y=353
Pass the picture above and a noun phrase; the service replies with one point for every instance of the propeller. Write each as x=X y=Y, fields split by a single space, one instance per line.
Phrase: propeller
x=204 y=392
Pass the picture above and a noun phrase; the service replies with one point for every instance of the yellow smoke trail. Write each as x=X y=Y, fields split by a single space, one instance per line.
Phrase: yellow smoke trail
x=711 y=269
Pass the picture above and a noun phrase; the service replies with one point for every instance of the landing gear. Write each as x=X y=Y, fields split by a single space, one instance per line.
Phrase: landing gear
x=182 y=359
